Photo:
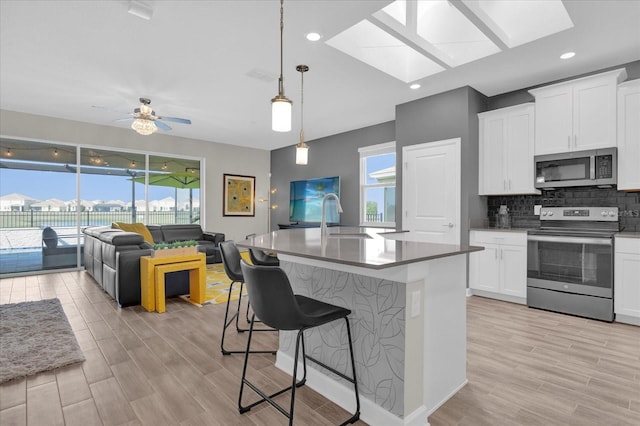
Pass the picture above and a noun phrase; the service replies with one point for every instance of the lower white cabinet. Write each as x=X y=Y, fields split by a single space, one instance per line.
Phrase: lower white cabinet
x=500 y=270
x=626 y=292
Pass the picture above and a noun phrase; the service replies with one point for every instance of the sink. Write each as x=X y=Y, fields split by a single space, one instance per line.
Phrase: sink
x=357 y=235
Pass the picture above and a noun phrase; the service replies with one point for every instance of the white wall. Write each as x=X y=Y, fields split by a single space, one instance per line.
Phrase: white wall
x=218 y=158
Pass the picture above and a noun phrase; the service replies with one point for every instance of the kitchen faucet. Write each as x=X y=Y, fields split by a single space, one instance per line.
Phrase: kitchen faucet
x=323 y=223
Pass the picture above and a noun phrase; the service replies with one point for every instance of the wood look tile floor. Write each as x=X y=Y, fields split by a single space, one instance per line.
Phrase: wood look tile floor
x=525 y=367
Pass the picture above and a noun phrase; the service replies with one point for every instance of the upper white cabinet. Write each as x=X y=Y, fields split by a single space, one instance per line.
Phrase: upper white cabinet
x=577 y=115
x=506 y=151
x=629 y=135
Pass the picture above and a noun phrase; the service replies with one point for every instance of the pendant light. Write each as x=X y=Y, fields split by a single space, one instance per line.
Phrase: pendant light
x=302 y=149
x=280 y=105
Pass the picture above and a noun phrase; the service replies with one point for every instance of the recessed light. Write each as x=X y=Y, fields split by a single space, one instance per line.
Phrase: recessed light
x=313 y=36
x=414 y=86
x=567 y=55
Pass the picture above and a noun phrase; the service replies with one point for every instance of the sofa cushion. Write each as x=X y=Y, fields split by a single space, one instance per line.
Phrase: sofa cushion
x=140 y=228
x=121 y=238
x=156 y=233
x=172 y=233
x=95 y=231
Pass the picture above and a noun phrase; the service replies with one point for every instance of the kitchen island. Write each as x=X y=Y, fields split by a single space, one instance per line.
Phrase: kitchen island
x=408 y=302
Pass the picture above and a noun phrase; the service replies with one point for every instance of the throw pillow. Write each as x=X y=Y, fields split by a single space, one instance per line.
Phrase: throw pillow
x=140 y=228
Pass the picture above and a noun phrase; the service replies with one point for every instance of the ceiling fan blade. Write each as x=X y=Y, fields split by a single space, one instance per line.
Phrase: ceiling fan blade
x=161 y=125
x=176 y=120
x=125 y=119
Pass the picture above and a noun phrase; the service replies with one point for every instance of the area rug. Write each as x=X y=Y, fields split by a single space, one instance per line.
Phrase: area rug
x=217 y=285
x=35 y=337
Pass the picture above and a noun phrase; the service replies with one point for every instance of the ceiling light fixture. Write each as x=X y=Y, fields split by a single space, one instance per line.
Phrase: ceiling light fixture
x=313 y=36
x=302 y=149
x=568 y=55
x=55 y=152
x=8 y=153
x=164 y=166
x=415 y=86
x=144 y=126
x=280 y=105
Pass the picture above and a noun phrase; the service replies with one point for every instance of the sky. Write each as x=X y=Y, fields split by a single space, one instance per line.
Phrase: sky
x=46 y=185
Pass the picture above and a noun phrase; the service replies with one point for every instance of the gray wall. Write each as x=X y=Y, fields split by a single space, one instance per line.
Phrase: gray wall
x=446 y=115
x=335 y=155
x=217 y=159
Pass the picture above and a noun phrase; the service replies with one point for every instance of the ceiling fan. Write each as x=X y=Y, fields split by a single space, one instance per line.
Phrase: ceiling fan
x=145 y=121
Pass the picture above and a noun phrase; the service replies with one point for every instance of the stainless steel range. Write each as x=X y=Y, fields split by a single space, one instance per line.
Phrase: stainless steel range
x=570 y=261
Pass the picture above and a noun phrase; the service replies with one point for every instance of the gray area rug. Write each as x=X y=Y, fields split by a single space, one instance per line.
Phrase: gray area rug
x=35 y=337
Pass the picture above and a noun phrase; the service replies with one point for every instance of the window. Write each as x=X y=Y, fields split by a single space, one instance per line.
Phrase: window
x=378 y=185
x=42 y=212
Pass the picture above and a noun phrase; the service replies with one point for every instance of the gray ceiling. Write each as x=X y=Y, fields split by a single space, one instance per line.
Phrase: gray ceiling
x=217 y=62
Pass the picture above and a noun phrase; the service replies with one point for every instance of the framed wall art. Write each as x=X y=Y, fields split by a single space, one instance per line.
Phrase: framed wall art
x=239 y=197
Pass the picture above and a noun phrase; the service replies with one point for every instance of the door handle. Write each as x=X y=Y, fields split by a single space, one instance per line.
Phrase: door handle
x=449 y=225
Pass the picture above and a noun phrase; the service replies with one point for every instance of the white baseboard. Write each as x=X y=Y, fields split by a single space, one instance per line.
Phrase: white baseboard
x=342 y=395
x=498 y=296
x=627 y=319
x=445 y=399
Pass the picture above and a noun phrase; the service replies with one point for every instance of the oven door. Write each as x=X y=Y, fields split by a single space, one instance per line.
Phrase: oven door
x=570 y=264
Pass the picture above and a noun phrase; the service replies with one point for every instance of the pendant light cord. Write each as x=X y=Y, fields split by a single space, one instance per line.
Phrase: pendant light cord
x=302 y=107
x=281 y=79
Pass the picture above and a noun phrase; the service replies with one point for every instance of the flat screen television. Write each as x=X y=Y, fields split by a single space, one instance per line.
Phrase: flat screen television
x=305 y=200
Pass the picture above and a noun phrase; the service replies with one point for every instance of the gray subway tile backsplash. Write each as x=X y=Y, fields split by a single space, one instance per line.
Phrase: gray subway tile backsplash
x=521 y=206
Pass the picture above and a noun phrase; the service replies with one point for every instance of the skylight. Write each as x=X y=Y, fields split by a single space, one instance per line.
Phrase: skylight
x=410 y=40
x=518 y=22
x=376 y=47
x=445 y=27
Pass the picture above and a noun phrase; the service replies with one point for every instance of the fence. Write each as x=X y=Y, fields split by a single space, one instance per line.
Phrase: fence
x=374 y=217
x=40 y=219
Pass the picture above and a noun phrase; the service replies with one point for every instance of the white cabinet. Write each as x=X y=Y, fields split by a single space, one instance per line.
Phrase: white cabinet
x=500 y=270
x=577 y=115
x=626 y=292
x=506 y=151
x=629 y=135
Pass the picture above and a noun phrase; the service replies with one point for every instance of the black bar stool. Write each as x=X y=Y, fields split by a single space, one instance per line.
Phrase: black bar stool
x=276 y=305
x=231 y=262
x=260 y=257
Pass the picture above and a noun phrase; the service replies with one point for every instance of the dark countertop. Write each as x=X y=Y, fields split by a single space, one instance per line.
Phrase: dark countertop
x=384 y=248
x=628 y=234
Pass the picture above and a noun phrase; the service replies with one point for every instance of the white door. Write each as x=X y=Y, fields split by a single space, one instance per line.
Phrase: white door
x=431 y=190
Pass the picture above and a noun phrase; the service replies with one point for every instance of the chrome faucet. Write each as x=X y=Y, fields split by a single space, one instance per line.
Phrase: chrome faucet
x=323 y=223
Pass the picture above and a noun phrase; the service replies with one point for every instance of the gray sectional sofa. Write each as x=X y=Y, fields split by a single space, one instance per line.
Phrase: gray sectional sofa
x=112 y=258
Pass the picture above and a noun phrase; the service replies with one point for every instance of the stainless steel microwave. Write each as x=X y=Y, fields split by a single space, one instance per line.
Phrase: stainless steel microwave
x=598 y=167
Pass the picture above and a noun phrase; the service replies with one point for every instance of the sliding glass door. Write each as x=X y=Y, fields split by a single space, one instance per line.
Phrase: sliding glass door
x=50 y=192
